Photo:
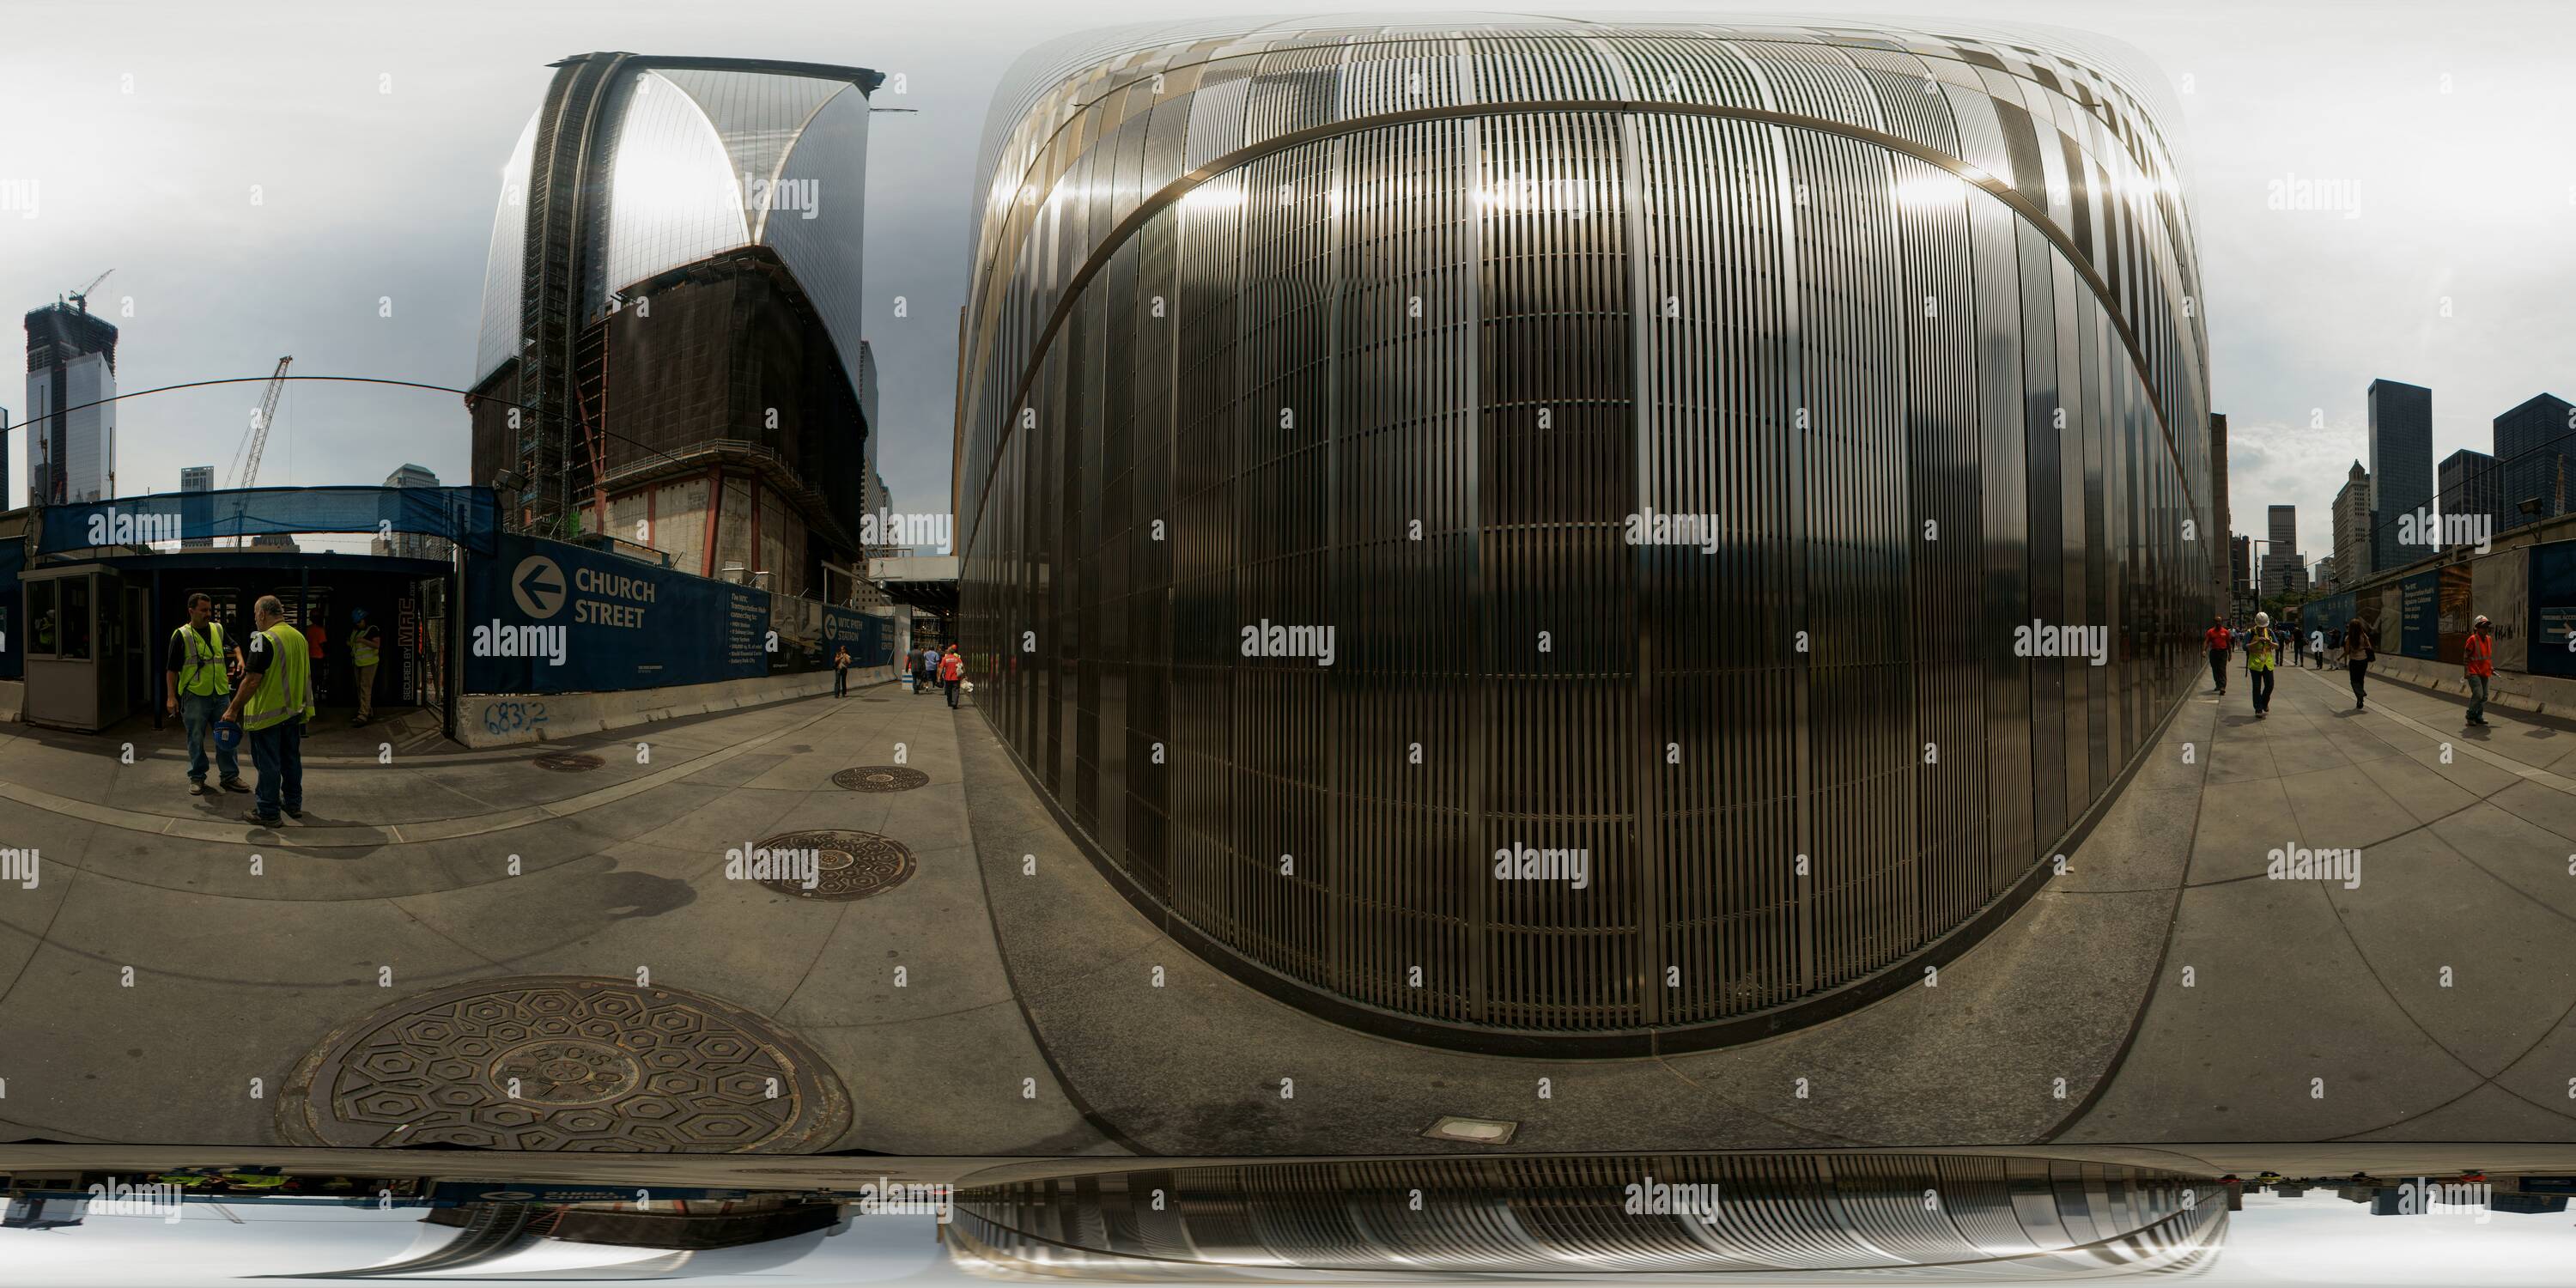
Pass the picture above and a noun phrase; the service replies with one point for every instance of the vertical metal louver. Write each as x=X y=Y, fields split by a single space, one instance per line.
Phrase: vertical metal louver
x=1407 y=332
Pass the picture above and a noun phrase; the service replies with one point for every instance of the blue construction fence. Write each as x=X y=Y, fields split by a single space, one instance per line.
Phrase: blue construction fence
x=545 y=616
x=467 y=516
x=2527 y=594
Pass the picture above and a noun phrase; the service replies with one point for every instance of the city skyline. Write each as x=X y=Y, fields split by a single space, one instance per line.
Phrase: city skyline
x=220 y=286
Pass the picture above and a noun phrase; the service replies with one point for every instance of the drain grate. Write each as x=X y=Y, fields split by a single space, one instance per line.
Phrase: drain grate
x=848 y=865
x=881 y=778
x=569 y=762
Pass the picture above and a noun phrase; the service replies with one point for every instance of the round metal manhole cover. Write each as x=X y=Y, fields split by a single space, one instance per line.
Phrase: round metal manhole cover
x=847 y=865
x=568 y=762
x=565 y=1062
x=881 y=778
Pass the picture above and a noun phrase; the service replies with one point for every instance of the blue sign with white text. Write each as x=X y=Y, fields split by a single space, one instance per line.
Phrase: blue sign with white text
x=549 y=617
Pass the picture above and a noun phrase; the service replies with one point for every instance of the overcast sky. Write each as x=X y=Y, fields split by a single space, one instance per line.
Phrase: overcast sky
x=376 y=134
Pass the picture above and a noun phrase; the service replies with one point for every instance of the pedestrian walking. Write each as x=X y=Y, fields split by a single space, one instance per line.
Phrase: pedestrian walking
x=2317 y=648
x=952 y=670
x=366 y=645
x=2359 y=649
x=841 y=672
x=926 y=676
x=272 y=705
x=200 y=682
x=2218 y=641
x=2477 y=662
x=316 y=641
x=2260 y=647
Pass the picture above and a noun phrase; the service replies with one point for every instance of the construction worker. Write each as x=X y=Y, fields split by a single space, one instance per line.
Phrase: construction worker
x=273 y=703
x=198 y=682
x=2477 y=664
x=364 y=641
x=315 y=640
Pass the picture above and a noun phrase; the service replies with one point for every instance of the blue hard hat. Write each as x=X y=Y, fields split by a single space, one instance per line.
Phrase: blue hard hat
x=357 y=614
x=228 y=734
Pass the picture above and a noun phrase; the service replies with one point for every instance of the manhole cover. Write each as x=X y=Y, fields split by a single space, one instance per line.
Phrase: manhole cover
x=848 y=865
x=569 y=762
x=563 y=1062
x=881 y=778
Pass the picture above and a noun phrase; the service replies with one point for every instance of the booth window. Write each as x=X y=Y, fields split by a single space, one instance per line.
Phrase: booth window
x=42 y=632
x=75 y=618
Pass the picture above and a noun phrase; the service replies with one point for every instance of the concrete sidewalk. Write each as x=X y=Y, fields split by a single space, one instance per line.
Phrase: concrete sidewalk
x=1029 y=1019
x=2429 y=1000
x=398 y=884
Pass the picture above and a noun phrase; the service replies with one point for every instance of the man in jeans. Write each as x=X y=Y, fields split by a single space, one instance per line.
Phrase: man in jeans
x=2477 y=659
x=273 y=703
x=2217 y=639
x=199 y=684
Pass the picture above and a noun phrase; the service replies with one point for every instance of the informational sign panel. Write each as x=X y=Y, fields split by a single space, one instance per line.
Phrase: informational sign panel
x=2500 y=587
x=865 y=633
x=2553 y=608
x=547 y=617
x=2420 y=608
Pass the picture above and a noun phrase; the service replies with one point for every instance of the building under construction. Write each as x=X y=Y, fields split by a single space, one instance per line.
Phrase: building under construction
x=71 y=425
x=670 y=349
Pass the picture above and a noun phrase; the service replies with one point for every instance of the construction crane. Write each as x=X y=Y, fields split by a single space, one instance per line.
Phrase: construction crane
x=255 y=439
x=81 y=296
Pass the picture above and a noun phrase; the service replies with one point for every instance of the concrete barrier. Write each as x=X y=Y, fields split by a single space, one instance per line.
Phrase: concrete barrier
x=2547 y=695
x=510 y=719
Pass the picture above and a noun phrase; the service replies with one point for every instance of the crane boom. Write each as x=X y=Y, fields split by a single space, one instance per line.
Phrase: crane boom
x=257 y=440
x=81 y=296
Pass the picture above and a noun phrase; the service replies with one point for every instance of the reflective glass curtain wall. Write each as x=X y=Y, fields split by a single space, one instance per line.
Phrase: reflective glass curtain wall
x=1407 y=332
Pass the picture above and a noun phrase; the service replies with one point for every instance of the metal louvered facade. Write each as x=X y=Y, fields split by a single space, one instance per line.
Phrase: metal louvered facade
x=1828 y=1218
x=1414 y=332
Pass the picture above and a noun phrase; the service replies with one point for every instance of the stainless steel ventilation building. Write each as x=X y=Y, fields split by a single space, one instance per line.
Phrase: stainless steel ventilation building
x=1575 y=537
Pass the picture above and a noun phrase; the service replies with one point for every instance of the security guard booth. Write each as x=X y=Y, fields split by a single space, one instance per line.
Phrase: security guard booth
x=86 y=664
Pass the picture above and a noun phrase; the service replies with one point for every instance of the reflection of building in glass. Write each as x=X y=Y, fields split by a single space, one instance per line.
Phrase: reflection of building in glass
x=1985 y=1217
x=71 y=444
x=1665 y=456
x=672 y=304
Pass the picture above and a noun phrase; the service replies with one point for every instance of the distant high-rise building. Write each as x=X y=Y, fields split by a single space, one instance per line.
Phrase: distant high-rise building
x=2240 y=568
x=2401 y=466
x=2281 y=556
x=195 y=478
x=2218 y=496
x=2352 y=528
x=2471 y=486
x=2535 y=443
x=71 y=444
x=2329 y=580
x=410 y=545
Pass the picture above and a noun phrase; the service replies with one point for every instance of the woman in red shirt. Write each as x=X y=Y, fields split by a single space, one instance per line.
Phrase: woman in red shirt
x=952 y=668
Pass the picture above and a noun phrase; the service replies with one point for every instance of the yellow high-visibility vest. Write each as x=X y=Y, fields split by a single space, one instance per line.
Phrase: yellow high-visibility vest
x=205 y=674
x=288 y=688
